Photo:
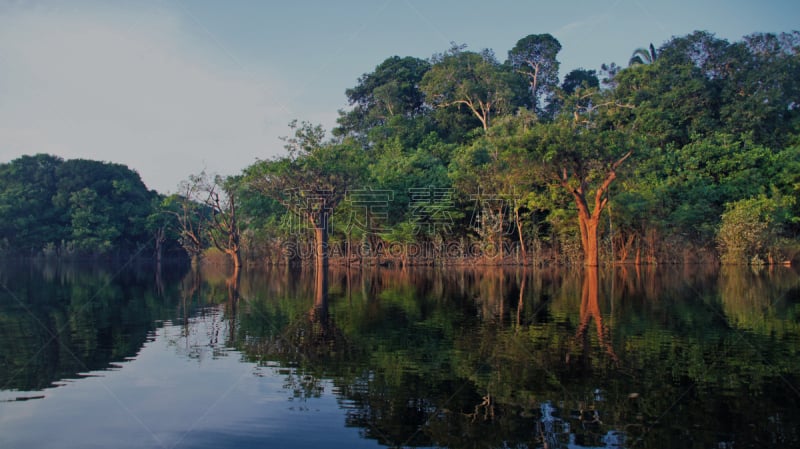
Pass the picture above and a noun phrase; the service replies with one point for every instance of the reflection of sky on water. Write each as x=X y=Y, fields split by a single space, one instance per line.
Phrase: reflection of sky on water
x=544 y=371
x=156 y=400
x=554 y=430
x=186 y=389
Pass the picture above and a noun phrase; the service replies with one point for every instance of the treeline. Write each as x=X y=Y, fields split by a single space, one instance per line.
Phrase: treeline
x=53 y=207
x=688 y=154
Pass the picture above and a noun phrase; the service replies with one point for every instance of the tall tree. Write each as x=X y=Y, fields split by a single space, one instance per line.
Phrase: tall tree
x=581 y=153
x=760 y=89
x=190 y=220
x=391 y=90
x=311 y=181
x=534 y=57
x=213 y=198
x=28 y=218
x=579 y=78
x=473 y=80
x=496 y=172
x=674 y=101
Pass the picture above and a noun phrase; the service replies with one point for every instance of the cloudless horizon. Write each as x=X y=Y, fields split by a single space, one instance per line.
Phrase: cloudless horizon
x=171 y=88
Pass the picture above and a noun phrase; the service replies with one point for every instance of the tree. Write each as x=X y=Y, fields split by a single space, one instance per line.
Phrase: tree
x=190 y=217
x=583 y=159
x=120 y=201
x=749 y=230
x=534 y=57
x=674 y=101
x=497 y=174
x=311 y=181
x=217 y=195
x=579 y=78
x=391 y=90
x=164 y=226
x=643 y=56
x=403 y=234
x=608 y=72
x=92 y=230
x=759 y=92
x=52 y=206
x=28 y=218
x=473 y=80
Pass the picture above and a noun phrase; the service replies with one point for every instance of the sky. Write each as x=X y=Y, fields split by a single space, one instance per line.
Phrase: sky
x=174 y=87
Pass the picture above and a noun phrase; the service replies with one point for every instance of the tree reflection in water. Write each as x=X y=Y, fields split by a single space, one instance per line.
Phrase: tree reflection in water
x=460 y=358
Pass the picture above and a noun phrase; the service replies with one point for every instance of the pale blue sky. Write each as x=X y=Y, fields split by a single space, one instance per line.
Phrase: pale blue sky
x=172 y=87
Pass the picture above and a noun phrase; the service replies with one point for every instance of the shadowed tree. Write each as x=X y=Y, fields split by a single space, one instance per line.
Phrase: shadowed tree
x=216 y=220
x=579 y=78
x=391 y=90
x=311 y=181
x=534 y=57
x=496 y=172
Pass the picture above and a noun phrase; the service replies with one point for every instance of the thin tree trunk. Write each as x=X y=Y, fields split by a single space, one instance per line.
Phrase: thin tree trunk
x=520 y=301
x=236 y=258
x=625 y=247
x=160 y=238
x=521 y=238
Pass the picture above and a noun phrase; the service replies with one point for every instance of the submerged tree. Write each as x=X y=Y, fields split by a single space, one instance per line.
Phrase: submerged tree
x=189 y=221
x=208 y=213
x=495 y=171
x=750 y=231
x=581 y=153
x=310 y=182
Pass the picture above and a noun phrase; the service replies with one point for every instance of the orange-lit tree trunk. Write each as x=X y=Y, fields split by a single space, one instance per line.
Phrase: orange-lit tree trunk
x=522 y=247
x=589 y=217
x=321 y=246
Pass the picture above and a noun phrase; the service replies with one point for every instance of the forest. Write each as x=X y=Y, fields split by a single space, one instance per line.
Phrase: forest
x=689 y=153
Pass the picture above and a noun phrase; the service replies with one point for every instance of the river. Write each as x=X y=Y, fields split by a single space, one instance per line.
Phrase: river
x=650 y=357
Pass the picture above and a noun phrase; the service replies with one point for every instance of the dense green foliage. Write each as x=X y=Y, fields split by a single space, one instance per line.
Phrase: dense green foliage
x=74 y=207
x=496 y=158
x=473 y=151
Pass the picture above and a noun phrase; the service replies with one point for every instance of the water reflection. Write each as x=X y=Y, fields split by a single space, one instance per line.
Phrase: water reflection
x=630 y=357
x=59 y=321
x=590 y=311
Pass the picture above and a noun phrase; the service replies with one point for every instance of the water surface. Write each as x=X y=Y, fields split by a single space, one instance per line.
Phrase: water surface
x=119 y=357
